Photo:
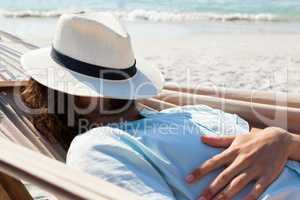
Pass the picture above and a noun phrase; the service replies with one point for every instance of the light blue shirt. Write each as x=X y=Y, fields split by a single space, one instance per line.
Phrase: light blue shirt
x=152 y=156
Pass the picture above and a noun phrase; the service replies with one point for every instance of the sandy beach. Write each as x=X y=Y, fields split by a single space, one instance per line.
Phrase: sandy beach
x=244 y=55
x=245 y=60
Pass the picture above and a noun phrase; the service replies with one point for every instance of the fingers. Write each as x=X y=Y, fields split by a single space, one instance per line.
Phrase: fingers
x=261 y=185
x=209 y=165
x=217 y=141
x=237 y=184
x=222 y=180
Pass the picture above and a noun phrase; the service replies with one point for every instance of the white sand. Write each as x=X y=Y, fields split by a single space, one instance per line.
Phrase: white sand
x=245 y=55
x=246 y=60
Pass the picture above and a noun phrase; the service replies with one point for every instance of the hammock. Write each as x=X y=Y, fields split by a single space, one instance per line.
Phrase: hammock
x=25 y=155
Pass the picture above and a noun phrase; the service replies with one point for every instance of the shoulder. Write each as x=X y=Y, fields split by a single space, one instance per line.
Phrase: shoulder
x=97 y=136
x=101 y=152
x=92 y=141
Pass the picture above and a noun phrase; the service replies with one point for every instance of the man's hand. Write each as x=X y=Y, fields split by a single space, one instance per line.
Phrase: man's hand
x=259 y=156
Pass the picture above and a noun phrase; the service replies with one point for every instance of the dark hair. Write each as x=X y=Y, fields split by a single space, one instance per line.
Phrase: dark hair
x=51 y=124
x=56 y=111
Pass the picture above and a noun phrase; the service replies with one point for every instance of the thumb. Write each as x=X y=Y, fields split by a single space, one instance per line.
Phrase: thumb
x=218 y=141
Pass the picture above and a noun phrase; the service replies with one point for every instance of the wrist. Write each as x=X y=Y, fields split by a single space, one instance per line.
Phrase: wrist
x=294 y=147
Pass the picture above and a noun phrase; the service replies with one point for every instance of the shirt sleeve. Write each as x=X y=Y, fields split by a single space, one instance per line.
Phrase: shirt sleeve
x=101 y=153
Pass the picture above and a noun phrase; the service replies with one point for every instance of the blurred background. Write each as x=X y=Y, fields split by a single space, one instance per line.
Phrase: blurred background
x=246 y=44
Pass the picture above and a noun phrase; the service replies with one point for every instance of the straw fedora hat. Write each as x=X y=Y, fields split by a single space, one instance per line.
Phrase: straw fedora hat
x=91 y=55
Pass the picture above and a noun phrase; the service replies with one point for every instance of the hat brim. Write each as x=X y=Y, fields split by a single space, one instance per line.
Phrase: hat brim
x=38 y=64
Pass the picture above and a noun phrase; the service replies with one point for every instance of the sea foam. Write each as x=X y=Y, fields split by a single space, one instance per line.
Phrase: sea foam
x=151 y=15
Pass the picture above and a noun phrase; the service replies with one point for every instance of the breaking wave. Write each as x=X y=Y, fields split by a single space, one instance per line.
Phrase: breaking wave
x=155 y=16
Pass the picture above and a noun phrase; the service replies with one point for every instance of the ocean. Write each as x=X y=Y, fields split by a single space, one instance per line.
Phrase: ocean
x=161 y=10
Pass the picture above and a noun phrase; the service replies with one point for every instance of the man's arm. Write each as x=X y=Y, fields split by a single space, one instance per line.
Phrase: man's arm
x=259 y=157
